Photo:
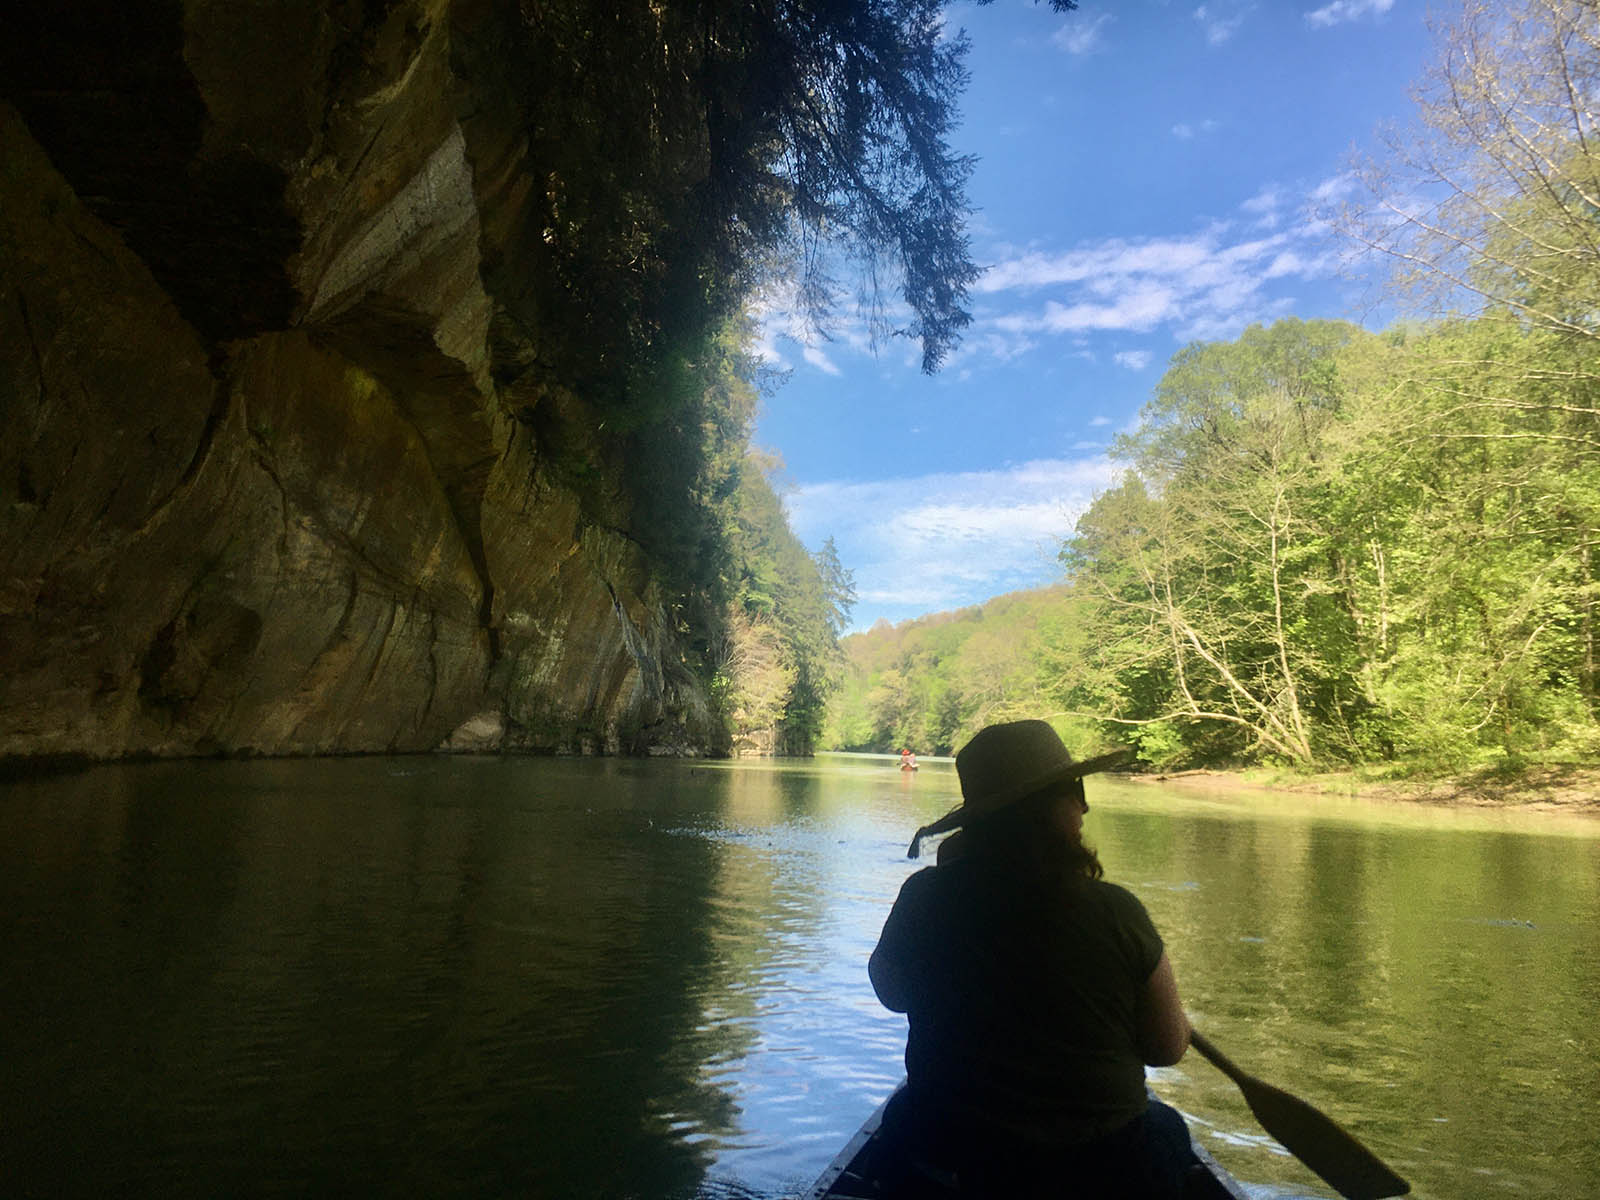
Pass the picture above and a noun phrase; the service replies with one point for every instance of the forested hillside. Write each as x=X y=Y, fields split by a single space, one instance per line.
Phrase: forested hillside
x=1328 y=547
x=1331 y=546
x=931 y=683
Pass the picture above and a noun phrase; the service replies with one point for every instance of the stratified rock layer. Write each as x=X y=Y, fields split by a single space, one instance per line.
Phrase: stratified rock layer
x=261 y=490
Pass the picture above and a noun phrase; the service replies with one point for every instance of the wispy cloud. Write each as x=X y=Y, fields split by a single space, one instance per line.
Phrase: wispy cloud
x=1340 y=11
x=1081 y=35
x=1188 y=130
x=943 y=541
x=1209 y=284
x=1031 y=301
x=1220 y=21
x=1095 y=262
x=815 y=355
x=1335 y=188
x=1142 y=307
x=1134 y=360
x=1266 y=207
x=1198 y=286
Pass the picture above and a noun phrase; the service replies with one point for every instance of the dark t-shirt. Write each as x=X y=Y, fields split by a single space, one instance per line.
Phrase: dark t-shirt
x=1022 y=998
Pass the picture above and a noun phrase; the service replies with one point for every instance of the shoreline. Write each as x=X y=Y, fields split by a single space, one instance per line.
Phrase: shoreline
x=1572 y=790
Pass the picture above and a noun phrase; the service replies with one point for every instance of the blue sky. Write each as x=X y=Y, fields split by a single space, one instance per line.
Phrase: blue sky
x=1148 y=176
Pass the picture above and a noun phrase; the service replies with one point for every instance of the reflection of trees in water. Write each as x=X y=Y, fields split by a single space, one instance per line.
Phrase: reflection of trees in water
x=479 y=976
x=611 y=952
x=1429 y=987
x=328 y=976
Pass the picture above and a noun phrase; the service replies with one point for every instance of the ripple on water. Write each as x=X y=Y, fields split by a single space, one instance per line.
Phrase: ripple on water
x=548 y=977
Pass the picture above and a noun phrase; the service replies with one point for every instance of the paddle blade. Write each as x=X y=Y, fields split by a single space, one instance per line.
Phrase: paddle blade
x=1352 y=1170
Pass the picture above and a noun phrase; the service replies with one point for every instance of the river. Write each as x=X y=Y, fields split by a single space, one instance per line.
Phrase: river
x=619 y=978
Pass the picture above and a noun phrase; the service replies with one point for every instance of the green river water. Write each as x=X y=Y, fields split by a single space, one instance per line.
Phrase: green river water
x=610 y=978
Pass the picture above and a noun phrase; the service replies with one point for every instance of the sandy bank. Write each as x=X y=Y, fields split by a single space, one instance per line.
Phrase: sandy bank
x=1570 y=789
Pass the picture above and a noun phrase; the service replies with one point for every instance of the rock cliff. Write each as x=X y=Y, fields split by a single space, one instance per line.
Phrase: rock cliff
x=282 y=469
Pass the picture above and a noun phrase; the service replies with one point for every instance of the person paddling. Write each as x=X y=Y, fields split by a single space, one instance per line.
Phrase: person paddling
x=1036 y=992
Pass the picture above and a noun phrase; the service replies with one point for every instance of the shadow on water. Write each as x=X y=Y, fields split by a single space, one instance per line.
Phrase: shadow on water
x=567 y=978
x=371 y=976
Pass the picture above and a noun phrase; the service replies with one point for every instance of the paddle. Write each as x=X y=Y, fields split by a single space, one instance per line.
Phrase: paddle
x=1352 y=1170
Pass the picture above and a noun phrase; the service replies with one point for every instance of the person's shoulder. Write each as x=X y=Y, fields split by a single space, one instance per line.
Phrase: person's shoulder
x=1116 y=897
x=924 y=893
x=947 y=879
x=922 y=880
x=1127 y=914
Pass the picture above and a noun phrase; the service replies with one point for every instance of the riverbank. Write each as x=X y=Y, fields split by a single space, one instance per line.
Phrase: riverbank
x=1563 y=788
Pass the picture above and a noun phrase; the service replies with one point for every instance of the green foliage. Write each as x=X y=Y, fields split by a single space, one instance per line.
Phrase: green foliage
x=1328 y=548
x=932 y=683
x=687 y=151
x=1333 y=547
x=778 y=659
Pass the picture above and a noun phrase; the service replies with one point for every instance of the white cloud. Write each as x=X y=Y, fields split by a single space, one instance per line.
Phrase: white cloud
x=1266 y=200
x=1100 y=422
x=943 y=541
x=1080 y=35
x=1097 y=262
x=1220 y=21
x=817 y=358
x=1141 y=308
x=1186 y=131
x=783 y=328
x=1134 y=360
x=1340 y=11
x=1208 y=284
x=1335 y=188
x=1194 y=286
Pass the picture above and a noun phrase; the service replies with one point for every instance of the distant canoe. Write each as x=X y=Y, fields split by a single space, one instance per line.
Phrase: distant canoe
x=866 y=1167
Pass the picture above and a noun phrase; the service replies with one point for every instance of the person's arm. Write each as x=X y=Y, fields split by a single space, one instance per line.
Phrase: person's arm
x=1163 y=1025
x=893 y=965
x=888 y=980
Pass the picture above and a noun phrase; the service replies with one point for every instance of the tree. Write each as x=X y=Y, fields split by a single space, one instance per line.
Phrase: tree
x=1479 y=588
x=1494 y=202
x=756 y=679
x=1495 y=196
x=777 y=660
x=689 y=151
x=1208 y=562
x=1332 y=546
x=933 y=682
x=838 y=587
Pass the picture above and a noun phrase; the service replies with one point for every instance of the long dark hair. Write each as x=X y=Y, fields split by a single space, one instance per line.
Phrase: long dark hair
x=1024 y=838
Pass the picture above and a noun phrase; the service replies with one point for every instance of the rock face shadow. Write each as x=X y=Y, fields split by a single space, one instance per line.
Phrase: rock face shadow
x=283 y=473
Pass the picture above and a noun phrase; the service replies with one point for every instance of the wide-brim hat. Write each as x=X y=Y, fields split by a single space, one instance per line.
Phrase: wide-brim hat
x=1003 y=763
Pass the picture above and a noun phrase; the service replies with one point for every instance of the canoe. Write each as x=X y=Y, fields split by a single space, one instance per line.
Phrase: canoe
x=861 y=1169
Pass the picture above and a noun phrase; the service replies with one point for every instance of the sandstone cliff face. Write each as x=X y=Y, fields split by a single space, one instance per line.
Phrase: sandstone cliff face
x=269 y=473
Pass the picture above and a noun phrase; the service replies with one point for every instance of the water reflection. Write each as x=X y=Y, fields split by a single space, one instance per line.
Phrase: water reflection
x=1429 y=982
x=568 y=978
x=443 y=978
